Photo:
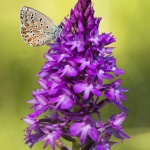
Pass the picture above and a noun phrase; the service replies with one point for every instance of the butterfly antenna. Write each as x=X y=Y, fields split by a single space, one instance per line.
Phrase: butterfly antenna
x=64 y=18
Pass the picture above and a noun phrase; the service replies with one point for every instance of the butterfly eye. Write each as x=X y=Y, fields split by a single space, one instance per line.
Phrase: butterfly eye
x=60 y=26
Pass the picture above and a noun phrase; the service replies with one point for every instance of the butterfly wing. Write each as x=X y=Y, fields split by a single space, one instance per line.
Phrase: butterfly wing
x=36 y=29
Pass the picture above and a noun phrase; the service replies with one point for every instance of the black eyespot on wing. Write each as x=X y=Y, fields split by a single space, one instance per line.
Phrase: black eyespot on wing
x=40 y=19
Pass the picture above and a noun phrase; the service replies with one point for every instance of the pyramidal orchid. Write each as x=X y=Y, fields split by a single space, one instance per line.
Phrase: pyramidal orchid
x=73 y=88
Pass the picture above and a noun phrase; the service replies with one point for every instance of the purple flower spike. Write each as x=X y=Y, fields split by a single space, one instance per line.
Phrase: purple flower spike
x=77 y=80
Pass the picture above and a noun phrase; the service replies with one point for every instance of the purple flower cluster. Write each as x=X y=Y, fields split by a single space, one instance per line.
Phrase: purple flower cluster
x=77 y=81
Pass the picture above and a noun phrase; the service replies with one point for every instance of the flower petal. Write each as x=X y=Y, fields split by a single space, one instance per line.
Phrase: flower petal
x=76 y=128
x=93 y=133
x=78 y=87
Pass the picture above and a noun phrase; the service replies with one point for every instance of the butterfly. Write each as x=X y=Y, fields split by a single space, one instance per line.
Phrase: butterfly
x=36 y=28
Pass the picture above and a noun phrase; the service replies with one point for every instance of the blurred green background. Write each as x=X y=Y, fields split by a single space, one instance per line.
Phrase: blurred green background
x=129 y=21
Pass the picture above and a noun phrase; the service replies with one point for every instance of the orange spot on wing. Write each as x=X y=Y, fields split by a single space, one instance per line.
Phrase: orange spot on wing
x=27 y=25
x=34 y=44
x=25 y=16
x=23 y=29
x=26 y=36
x=24 y=32
x=29 y=40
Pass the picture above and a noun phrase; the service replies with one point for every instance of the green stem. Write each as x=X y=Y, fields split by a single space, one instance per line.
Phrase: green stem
x=76 y=144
